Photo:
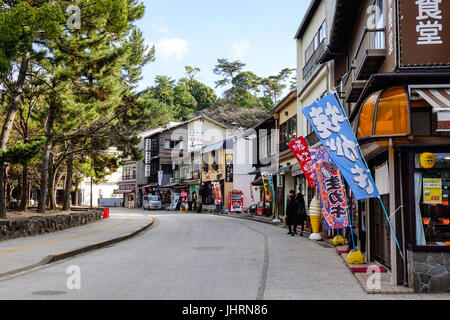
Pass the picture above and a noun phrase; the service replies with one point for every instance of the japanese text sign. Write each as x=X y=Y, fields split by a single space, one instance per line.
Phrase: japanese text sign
x=300 y=149
x=331 y=190
x=336 y=134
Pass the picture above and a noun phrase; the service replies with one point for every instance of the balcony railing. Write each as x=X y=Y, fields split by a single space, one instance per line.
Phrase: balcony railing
x=284 y=144
x=370 y=54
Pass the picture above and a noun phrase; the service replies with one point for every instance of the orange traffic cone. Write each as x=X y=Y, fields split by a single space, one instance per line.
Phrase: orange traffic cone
x=105 y=213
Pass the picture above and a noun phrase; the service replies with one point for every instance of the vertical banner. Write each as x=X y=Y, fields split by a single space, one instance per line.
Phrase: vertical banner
x=229 y=168
x=300 y=149
x=335 y=132
x=218 y=193
x=331 y=190
x=269 y=189
x=252 y=197
x=160 y=177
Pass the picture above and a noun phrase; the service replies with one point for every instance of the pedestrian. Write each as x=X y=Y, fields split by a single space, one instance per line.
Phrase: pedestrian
x=302 y=215
x=292 y=213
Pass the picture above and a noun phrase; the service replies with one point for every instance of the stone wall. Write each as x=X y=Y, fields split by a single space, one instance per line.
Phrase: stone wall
x=429 y=272
x=12 y=229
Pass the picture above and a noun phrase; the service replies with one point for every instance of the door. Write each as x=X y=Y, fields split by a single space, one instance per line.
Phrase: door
x=380 y=233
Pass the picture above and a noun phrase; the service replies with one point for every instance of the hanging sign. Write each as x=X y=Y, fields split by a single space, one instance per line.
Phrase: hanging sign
x=160 y=177
x=300 y=149
x=336 y=134
x=331 y=190
x=427 y=160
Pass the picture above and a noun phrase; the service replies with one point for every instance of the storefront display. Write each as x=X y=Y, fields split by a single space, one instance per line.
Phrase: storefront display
x=432 y=189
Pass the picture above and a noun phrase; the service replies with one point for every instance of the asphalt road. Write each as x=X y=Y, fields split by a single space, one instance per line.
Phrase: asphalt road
x=190 y=256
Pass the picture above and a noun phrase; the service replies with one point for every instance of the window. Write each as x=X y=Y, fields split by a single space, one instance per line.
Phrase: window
x=431 y=193
x=129 y=173
x=323 y=32
x=288 y=132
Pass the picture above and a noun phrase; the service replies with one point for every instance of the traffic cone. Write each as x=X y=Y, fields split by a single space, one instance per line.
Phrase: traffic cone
x=105 y=213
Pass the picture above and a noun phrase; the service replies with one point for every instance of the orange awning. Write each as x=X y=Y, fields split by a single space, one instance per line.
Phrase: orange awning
x=384 y=114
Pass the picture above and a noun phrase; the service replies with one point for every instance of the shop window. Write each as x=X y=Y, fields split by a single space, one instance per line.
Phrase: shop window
x=431 y=193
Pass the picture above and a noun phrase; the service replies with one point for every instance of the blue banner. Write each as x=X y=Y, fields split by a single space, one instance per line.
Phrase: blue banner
x=335 y=132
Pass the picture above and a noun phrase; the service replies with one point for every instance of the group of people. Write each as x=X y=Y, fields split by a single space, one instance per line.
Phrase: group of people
x=295 y=213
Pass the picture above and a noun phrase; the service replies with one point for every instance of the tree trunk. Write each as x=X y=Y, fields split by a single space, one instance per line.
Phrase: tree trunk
x=25 y=189
x=77 y=182
x=68 y=188
x=45 y=158
x=51 y=202
x=8 y=124
x=2 y=191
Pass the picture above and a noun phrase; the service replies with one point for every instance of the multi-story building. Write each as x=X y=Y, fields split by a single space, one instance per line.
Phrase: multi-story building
x=265 y=159
x=286 y=124
x=175 y=156
x=314 y=80
x=393 y=75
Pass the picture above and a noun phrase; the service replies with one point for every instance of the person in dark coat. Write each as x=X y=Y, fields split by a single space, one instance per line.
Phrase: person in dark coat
x=292 y=213
x=302 y=215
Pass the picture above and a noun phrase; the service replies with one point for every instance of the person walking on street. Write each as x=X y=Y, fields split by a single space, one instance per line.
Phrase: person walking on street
x=292 y=213
x=302 y=215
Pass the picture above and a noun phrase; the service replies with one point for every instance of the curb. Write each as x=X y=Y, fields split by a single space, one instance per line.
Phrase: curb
x=72 y=253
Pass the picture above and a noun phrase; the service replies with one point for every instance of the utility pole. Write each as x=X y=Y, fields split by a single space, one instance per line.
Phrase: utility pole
x=91 y=193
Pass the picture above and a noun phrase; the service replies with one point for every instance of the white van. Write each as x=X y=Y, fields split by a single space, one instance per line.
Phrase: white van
x=152 y=202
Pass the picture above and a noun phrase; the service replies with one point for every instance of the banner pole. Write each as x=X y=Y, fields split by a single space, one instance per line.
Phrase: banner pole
x=373 y=182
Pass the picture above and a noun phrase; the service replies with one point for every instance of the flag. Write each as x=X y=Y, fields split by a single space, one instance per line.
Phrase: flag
x=300 y=149
x=335 y=132
x=331 y=190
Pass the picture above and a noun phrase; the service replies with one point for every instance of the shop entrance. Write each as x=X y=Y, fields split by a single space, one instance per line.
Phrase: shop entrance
x=380 y=232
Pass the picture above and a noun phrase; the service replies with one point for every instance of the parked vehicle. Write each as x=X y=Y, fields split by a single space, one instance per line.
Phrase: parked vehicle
x=152 y=203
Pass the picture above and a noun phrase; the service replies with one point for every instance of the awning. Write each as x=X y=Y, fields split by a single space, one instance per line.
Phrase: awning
x=384 y=114
x=213 y=147
x=439 y=99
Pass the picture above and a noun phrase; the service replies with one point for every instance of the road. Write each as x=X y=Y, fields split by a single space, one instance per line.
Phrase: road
x=193 y=257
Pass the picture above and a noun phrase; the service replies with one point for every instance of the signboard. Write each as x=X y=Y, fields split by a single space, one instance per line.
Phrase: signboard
x=229 y=168
x=300 y=149
x=335 y=132
x=195 y=140
x=424 y=33
x=432 y=191
x=127 y=187
x=331 y=190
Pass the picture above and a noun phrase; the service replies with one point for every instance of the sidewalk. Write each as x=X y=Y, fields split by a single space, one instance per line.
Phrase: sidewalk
x=362 y=277
x=20 y=255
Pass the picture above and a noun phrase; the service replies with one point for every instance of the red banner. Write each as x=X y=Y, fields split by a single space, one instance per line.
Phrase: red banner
x=300 y=149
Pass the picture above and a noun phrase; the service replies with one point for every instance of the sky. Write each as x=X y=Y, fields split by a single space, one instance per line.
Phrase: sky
x=196 y=33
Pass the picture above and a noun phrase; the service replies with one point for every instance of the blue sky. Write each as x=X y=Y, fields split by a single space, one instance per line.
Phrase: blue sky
x=198 y=32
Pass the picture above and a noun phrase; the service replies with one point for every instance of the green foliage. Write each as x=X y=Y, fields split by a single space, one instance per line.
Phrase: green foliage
x=21 y=153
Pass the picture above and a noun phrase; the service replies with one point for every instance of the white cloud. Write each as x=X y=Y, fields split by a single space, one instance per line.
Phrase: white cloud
x=241 y=49
x=163 y=30
x=172 y=48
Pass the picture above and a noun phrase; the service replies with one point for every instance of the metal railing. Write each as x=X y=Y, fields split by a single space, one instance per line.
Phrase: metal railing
x=311 y=64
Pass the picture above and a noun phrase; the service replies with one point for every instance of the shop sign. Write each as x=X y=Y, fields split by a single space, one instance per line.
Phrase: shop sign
x=195 y=140
x=427 y=160
x=424 y=32
x=335 y=132
x=229 y=168
x=432 y=191
x=127 y=187
x=300 y=149
x=331 y=190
